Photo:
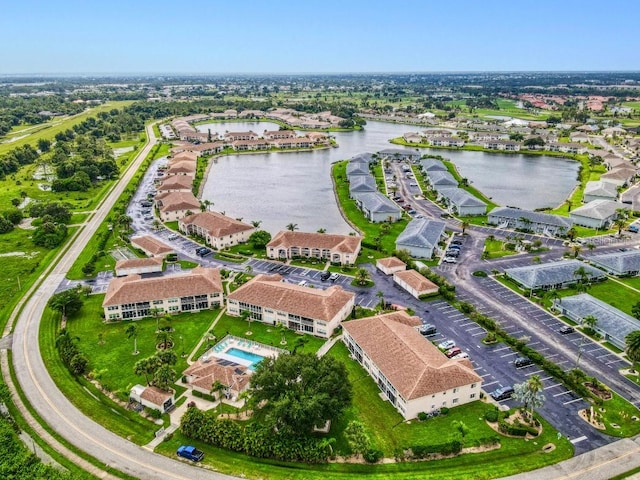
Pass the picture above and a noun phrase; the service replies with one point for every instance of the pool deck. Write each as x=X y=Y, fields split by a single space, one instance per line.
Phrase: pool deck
x=220 y=350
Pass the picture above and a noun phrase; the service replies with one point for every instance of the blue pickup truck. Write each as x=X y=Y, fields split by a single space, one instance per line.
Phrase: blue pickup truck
x=190 y=452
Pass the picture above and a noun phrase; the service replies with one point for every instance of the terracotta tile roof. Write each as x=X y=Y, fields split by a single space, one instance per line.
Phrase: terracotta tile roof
x=183 y=166
x=268 y=291
x=139 y=262
x=391 y=262
x=132 y=289
x=216 y=224
x=176 y=181
x=203 y=147
x=185 y=155
x=339 y=243
x=173 y=201
x=412 y=364
x=151 y=245
x=156 y=395
x=416 y=281
x=206 y=373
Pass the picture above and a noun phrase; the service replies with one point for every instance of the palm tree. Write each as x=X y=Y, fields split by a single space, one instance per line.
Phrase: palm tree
x=156 y=224
x=582 y=274
x=322 y=230
x=569 y=204
x=248 y=269
x=380 y=295
x=530 y=393
x=300 y=343
x=283 y=333
x=124 y=222
x=576 y=249
x=256 y=223
x=464 y=225
x=132 y=332
x=572 y=233
x=590 y=322
x=633 y=346
x=292 y=227
x=203 y=207
x=164 y=338
x=164 y=377
x=620 y=223
x=246 y=315
x=218 y=387
x=362 y=276
x=207 y=204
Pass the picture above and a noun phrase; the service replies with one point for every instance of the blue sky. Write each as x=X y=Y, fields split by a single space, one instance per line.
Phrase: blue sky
x=281 y=36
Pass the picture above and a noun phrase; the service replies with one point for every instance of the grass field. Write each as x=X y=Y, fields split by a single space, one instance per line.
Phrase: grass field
x=59 y=125
x=496 y=249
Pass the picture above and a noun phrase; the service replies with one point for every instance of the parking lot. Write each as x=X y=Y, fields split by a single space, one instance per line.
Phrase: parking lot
x=495 y=365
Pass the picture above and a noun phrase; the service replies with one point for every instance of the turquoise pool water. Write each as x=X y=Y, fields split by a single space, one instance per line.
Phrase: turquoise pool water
x=243 y=354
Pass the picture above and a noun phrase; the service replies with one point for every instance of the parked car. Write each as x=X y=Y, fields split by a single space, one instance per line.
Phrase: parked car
x=446 y=345
x=502 y=393
x=633 y=228
x=449 y=259
x=522 y=362
x=461 y=355
x=324 y=276
x=190 y=452
x=333 y=277
x=456 y=242
x=148 y=218
x=452 y=352
x=428 y=330
x=303 y=283
x=566 y=330
x=455 y=246
x=452 y=253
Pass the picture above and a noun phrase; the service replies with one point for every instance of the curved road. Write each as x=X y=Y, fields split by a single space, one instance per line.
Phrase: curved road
x=62 y=415
x=56 y=410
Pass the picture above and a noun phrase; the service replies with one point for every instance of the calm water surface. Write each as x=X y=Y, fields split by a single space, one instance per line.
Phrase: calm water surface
x=295 y=187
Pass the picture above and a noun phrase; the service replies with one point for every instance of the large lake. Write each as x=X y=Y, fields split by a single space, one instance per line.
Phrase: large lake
x=295 y=187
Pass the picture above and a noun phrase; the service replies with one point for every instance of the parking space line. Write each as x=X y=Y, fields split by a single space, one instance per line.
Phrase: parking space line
x=562 y=393
x=508 y=354
x=490 y=383
x=501 y=348
x=552 y=386
x=486 y=375
x=572 y=401
x=479 y=333
x=532 y=373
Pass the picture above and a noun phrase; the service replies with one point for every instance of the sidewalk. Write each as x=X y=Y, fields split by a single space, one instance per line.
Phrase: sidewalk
x=326 y=346
x=599 y=464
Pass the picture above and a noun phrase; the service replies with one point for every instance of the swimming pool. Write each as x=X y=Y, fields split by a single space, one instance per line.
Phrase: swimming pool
x=244 y=355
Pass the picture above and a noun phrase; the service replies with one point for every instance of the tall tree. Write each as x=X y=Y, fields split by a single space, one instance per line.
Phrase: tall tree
x=67 y=302
x=362 y=276
x=633 y=346
x=295 y=393
x=246 y=316
x=132 y=332
x=292 y=227
x=530 y=393
x=357 y=437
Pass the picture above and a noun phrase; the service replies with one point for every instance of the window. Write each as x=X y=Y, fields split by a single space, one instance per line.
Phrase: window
x=473 y=395
x=158 y=302
x=454 y=401
x=112 y=308
x=473 y=385
x=455 y=390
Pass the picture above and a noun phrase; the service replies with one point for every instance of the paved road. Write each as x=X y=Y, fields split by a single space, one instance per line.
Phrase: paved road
x=50 y=403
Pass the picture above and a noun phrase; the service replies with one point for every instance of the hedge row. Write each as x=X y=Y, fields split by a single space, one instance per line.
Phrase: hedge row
x=253 y=439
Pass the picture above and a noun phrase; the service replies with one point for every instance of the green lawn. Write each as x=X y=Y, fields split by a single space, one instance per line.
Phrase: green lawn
x=263 y=333
x=496 y=249
x=112 y=359
x=82 y=393
x=633 y=282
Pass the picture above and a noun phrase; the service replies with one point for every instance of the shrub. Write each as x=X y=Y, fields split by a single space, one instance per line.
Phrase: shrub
x=422 y=416
x=491 y=415
x=444 y=411
x=372 y=455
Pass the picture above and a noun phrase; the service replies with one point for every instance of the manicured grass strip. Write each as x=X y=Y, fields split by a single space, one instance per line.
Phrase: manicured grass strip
x=54 y=434
x=99 y=408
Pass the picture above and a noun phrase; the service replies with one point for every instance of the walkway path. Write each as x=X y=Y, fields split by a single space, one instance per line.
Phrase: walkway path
x=599 y=464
